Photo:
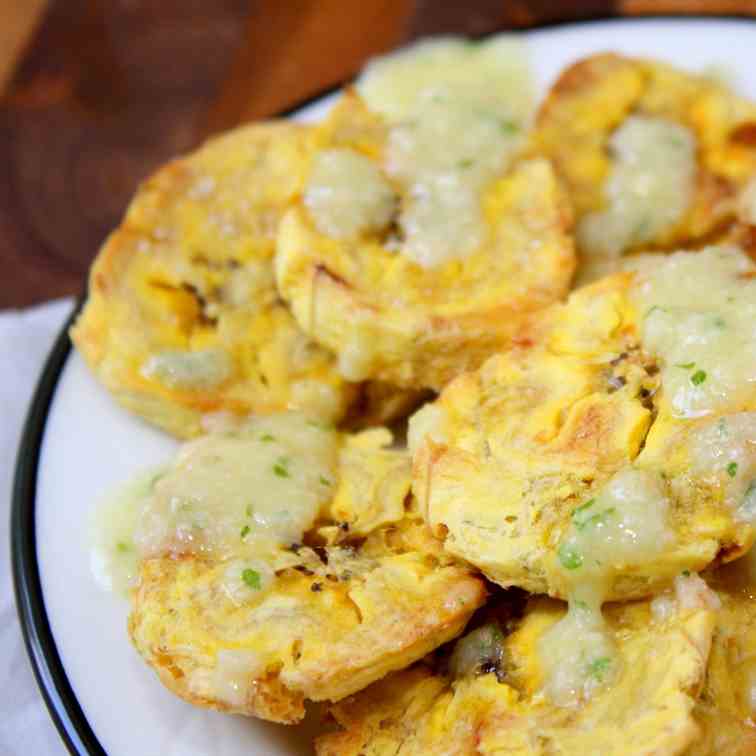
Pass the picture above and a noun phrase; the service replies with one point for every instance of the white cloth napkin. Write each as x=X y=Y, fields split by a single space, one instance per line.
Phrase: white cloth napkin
x=26 y=337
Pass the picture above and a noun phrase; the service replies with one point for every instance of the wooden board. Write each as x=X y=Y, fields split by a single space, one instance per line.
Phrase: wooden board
x=96 y=93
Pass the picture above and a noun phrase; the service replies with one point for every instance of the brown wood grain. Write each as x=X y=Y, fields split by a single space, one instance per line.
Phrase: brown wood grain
x=108 y=89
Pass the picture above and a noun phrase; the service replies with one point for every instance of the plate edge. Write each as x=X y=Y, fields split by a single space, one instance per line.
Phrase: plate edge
x=49 y=673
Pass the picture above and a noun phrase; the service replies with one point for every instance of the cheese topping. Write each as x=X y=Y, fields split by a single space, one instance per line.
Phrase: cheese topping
x=699 y=317
x=457 y=111
x=623 y=527
x=648 y=190
x=577 y=655
x=347 y=195
x=237 y=495
x=241 y=493
x=189 y=370
x=114 y=558
x=725 y=451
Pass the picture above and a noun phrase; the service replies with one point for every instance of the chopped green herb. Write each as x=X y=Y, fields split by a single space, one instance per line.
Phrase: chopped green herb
x=281 y=468
x=325 y=481
x=686 y=573
x=570 y=557
x=155 y=478
x=748 y=507
x=244 y=532
x=732 y=469
x=686 y=365
x=266 y=437
x=320 y=425
x=252 y=579
x=599 y=667
x=583 y=517
x=508 y=127
x=578 y=604
x=248 y=510
x=641 y=230
x=698 y=377
x=465 y=163
x=123 y=547
x=719 y=322
x=579 y=515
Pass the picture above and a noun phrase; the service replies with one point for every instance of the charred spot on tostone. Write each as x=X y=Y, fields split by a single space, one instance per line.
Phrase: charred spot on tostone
x=323 y=270
x=616 y=382
x=202 y=304
x=744 y=134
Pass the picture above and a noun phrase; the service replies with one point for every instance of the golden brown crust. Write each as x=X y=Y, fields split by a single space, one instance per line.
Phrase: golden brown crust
x=419 y=712
x=592 y=97
x=390 y=319
x=323 y=644
x=188 y=273
x=505 y=455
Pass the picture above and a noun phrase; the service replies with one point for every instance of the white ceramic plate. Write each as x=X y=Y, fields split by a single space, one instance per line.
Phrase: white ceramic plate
x=89 y=446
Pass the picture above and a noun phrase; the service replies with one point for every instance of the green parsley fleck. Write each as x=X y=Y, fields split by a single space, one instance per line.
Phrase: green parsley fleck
x=325 y=480
x=686 y=573
x=320 y=425
x=252 y=579
x=698 y=377
x=580 y=515
x=465 y=163
x=281 y=468
x=748 y=507
x=599 y=667
x=732 y=469
x=245 y=532
x=582 y=518
x=640 y=232
x=570 y=557
x=122 y=547
x=508 y=127
x=248 y=510
x=266 y=438
x=719 y=322
x=686 y=365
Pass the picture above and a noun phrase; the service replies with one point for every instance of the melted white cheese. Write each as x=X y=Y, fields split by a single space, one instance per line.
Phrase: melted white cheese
x=690 y=593
x=233 y=675
x=114 y=557
x=577 y=655
x=188 y=370
x=623 y=526
x=347 y=195
x=699 y=317
x=457 y=111
x=725 y=451
x=648 y=190
x=239 y=493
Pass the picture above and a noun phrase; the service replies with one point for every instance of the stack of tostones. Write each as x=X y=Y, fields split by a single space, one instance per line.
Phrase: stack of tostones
x=559 y=559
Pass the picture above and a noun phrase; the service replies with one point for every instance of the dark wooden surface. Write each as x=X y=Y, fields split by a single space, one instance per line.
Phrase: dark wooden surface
x=94 y=94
